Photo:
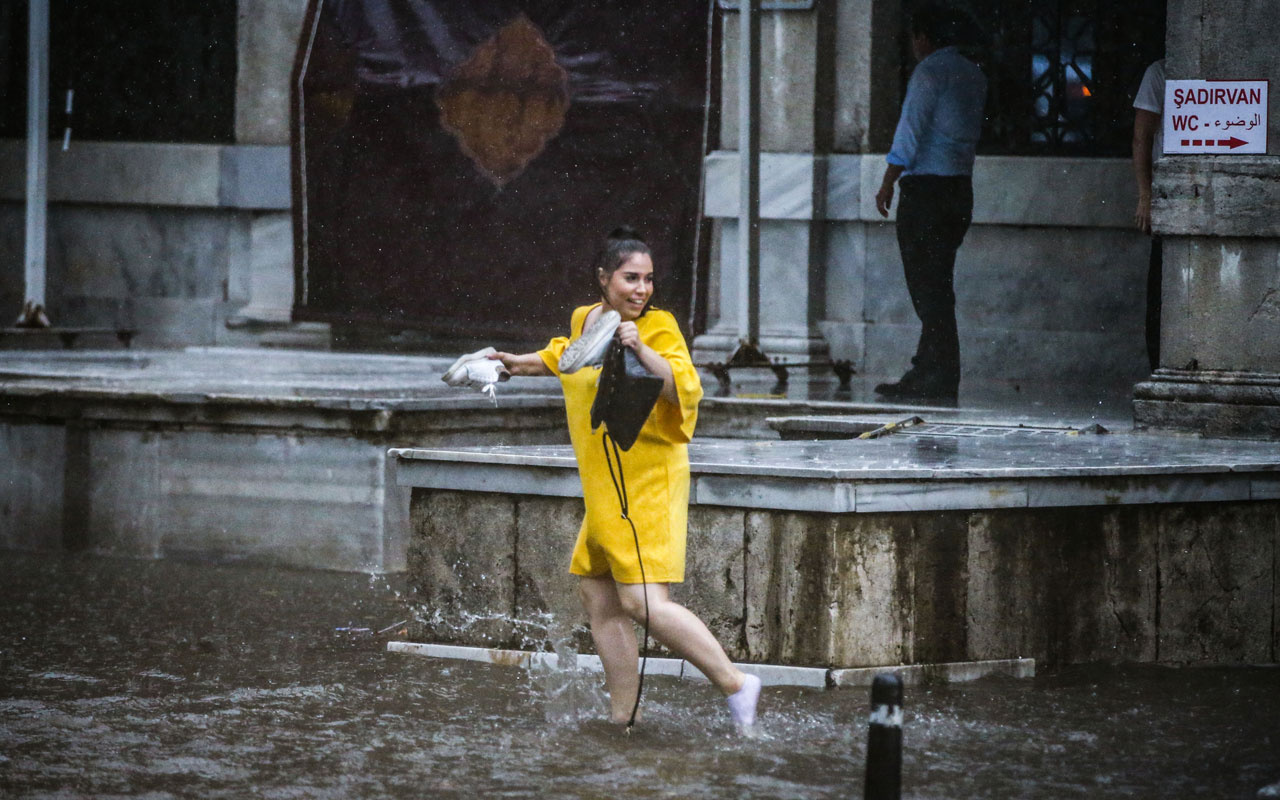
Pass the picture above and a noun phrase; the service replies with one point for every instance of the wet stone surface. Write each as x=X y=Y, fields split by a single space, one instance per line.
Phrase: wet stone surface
x=285 y=375
x=163 y=679
x=905 y=456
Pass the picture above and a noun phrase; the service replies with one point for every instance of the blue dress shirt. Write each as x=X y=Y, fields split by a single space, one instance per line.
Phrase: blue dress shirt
x=942 y=116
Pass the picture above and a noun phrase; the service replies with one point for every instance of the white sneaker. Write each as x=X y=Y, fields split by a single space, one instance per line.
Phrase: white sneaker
x=485 y=372
x=742 y=704
x=588 y=349
x=476 y=369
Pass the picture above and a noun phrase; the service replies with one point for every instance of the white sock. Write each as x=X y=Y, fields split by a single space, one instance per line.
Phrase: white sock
x=742 y=703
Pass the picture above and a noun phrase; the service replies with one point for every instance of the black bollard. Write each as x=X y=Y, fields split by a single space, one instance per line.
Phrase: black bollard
x=884 y=740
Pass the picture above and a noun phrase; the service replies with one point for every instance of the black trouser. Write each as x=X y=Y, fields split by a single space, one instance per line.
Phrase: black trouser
x=1155 y=270
x=934 y=213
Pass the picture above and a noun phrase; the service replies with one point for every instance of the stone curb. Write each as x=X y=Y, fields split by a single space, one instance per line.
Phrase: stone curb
x=953 y=672
x=769 y=674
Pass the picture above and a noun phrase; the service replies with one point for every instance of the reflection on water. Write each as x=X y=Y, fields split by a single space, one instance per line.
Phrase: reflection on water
x=167 y=679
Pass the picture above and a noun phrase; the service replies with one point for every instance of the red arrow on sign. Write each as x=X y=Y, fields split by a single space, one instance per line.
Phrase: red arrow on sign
x=1233 y=142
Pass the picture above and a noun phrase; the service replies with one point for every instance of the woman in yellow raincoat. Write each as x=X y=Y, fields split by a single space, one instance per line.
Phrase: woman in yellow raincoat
x=657 y=485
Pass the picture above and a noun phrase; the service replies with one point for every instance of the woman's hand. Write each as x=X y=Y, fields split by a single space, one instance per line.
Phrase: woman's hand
x=629 y=335
x=653 y=361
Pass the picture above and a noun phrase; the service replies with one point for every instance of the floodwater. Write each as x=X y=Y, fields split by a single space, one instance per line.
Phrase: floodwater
x=158 y=679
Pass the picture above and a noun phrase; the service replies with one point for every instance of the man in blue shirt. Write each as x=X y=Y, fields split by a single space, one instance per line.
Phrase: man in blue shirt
x=932 y=161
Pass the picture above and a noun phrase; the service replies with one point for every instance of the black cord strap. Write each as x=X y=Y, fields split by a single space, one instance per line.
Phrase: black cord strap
x=620 y=487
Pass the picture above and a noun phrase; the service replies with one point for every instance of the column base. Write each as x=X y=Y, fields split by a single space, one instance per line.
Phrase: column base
x=1210 y=402
x=718 y=345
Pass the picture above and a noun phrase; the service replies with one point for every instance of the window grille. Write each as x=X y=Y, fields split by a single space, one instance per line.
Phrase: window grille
x=1062 y=74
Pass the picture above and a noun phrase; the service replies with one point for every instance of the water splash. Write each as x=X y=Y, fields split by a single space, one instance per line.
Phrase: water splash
x=569 y=695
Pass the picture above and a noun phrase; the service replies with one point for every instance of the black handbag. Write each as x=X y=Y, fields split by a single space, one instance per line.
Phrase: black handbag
x=625 y=395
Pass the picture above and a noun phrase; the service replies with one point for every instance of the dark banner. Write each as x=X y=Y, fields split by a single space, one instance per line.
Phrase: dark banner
x=458 y=163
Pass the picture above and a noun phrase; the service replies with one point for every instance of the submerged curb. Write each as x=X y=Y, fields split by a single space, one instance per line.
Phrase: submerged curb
x=950 y=672
x=769 y=674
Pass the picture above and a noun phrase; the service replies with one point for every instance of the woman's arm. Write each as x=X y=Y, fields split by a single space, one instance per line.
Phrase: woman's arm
x=524 y=364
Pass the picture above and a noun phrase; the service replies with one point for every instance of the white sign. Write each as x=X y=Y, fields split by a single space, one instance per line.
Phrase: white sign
x=1215 y=116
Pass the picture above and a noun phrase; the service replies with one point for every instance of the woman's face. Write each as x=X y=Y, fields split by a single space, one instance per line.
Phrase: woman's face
x=630 y=287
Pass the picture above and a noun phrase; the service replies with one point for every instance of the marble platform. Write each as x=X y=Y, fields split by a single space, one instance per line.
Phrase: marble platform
x=247 y=455
x=973 y=466
x=257 y=455
x=946 y=542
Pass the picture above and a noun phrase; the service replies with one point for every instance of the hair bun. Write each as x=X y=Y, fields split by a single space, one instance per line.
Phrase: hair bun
x=625 y=233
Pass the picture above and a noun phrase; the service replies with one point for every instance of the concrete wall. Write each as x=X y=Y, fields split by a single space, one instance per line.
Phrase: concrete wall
x=1177 y=583
x=260 y=498
x=297 y=485
x=31 y=516
x=1050 y=282
x=190 y=244
x=174 y=240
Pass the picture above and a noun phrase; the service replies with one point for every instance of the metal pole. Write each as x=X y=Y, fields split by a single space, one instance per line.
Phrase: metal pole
x=37 y=148
x=884 y=740
x=749 y=171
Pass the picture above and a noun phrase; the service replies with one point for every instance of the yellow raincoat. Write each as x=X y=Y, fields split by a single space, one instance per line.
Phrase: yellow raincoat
x=656 y=468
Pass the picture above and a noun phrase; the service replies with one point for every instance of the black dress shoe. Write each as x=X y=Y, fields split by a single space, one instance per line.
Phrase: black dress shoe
x=889 y=389
x=904 y=385
x=923 y=389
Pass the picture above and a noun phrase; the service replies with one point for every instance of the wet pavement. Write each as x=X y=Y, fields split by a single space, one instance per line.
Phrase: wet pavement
x=167 y=679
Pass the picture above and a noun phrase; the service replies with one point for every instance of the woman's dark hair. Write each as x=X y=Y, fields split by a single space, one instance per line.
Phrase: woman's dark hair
x=622 y=244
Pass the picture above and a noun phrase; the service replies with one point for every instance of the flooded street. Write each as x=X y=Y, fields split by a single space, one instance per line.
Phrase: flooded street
x=157 y=679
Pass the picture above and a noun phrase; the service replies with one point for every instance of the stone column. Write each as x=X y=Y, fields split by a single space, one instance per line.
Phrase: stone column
x=266 y=40
x=791 y=59
x=1220 y=326
x=824 y=76
x=267 y=34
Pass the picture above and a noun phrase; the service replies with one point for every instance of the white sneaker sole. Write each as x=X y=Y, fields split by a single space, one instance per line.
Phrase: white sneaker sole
x=589 y=348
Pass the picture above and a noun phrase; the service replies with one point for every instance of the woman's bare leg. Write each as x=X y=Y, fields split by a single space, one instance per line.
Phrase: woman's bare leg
x=680 y=630
x=615 y=639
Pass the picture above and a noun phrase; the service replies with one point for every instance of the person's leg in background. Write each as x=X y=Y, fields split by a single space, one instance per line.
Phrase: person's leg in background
x=1155 y=270
x=933 y=215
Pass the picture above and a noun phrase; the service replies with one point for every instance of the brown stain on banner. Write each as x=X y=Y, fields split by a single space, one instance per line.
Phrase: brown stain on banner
x=505 y=102
x=457 y=164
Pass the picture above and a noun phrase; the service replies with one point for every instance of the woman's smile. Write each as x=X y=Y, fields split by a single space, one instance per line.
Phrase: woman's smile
x=629 y=288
